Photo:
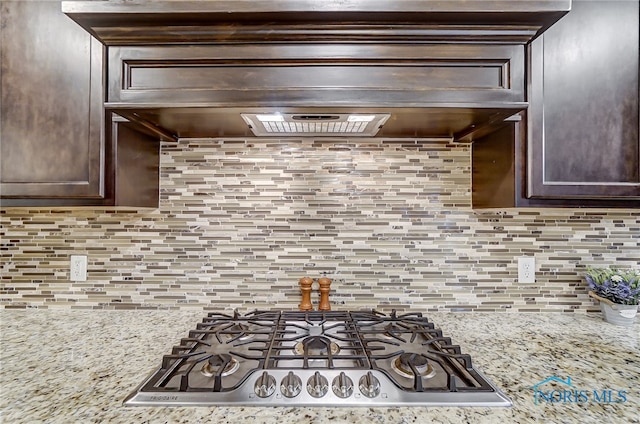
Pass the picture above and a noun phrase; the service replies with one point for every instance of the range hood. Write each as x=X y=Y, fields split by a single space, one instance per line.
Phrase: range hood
x=431 y=68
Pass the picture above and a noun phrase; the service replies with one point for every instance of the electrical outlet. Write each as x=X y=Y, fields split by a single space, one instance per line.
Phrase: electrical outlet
x=78 y=268
x=526 y=270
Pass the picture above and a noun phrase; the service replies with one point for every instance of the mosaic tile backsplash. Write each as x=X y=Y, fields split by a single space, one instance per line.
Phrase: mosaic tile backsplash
x=241 y=221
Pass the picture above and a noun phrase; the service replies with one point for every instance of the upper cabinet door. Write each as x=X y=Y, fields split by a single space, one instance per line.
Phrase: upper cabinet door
x=583 y=137
x=52 y=96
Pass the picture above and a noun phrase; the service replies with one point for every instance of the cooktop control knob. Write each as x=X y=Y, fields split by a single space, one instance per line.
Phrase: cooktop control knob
x=342 y=386
x=317 y=385
x=369 y=385
x=291 y=385
x=265 y=385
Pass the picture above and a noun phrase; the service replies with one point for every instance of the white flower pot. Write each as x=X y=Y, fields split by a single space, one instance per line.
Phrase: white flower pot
x=615 y=313
x=619 y=314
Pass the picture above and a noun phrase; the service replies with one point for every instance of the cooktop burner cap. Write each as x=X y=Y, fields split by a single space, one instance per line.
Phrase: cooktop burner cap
x=316 y=346
x=212 y=367
x=407 y=362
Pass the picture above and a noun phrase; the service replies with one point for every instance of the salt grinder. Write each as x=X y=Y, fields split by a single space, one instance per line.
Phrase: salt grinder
x=305 y=288
x=325 y=286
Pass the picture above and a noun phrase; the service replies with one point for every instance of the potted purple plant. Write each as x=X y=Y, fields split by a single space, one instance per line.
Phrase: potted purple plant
x=618 y=292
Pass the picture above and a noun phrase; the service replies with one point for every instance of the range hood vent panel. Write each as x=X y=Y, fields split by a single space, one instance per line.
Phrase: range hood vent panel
x=315 y=125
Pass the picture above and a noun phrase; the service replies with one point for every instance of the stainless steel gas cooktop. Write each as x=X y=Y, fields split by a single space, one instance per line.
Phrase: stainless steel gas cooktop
x=330 y=358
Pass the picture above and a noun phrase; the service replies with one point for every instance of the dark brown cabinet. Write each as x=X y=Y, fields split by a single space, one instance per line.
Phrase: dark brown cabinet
x=583 y=118
x=578 y=144
x=56 y=143
x=51 y=104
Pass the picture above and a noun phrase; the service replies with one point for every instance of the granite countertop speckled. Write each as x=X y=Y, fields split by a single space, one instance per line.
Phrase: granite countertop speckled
x=63 y=366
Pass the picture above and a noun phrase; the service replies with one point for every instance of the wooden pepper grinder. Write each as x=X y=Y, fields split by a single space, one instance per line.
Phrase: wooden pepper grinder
x=325 y=286
x=305 y=288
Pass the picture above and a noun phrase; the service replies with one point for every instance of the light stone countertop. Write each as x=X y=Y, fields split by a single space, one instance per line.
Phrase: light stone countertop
x=63 y=366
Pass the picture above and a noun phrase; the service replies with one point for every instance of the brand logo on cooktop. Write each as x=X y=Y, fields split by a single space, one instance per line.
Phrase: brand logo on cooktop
x=557 y=390
x=163 y=397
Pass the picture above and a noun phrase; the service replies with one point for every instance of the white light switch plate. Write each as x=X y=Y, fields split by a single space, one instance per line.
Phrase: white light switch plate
x=526 y=270
x=78 y=268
